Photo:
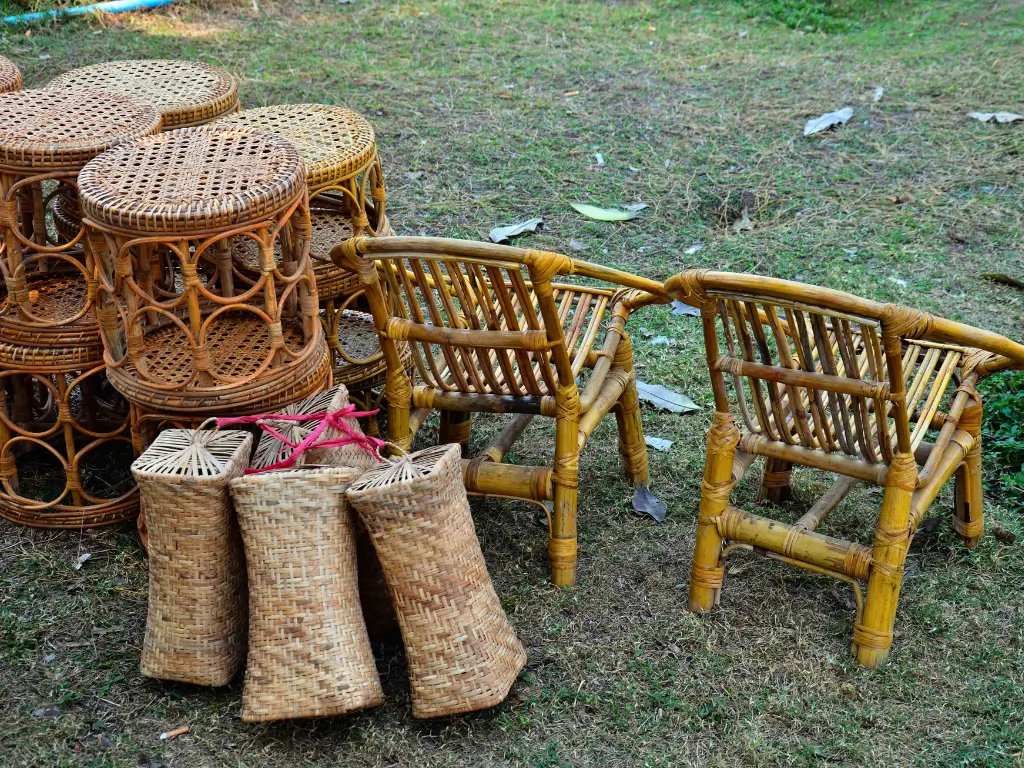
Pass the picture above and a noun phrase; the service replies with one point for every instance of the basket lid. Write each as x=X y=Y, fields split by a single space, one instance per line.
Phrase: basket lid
x=192 y=180
x=334 y=142
x=185 y=92
x=10 y=77
x=270 y=450
x=42 y=129
x=408 y=469
x=207 y=454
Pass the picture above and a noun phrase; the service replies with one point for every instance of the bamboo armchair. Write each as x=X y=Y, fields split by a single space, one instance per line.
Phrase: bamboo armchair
x=834 y=382
x=491 y=332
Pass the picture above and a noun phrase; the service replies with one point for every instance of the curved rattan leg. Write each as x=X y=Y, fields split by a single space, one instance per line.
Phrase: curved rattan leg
x=968 y=519
x=873 y=636
x=775 y=481
x=562 y=547
x=455 y=428
x=706 y=574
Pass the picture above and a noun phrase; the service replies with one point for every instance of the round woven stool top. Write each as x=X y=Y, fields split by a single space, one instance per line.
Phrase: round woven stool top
x=186 y=93
x=192 y=180
x=10 y=77
x=334 y=142
x=44 y=130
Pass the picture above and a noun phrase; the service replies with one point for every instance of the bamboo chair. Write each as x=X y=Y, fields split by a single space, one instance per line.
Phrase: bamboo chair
x=491 y=332
x=831 y=381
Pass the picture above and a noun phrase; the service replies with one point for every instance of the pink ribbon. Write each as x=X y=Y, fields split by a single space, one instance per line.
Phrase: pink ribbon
x=335 y=419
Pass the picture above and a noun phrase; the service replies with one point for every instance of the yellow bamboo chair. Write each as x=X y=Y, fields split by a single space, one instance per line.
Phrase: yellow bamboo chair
x=831 y=381
x=491 y=332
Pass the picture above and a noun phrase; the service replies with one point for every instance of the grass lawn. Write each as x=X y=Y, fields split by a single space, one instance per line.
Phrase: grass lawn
x=489 y=112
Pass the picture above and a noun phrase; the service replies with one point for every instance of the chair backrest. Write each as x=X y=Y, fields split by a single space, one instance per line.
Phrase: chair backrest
x=826 y=370
x=481 y=318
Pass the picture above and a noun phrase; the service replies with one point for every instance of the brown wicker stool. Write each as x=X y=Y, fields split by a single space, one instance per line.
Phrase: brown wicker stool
x=10 y=76
x=309 y=653
x=180 y=336
x=462 y=652
x=196 y=627
x=62 y=428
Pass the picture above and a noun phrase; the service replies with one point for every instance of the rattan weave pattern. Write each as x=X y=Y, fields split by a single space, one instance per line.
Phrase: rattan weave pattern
x=463 y=653
x=190 y=180
x=309 y=653
x=44 y=130
x=197 y=622
x=186 y=93
x=10 y=76
x=334 y=142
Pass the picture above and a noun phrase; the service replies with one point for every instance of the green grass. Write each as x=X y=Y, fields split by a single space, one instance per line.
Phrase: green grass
x=708 y=100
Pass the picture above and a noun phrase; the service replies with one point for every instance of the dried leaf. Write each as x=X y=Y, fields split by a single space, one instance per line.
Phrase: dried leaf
x=827 y=121
x=576 y=245
x=1000 y=277
x=957 y=237
x=636 y=206
x=679 y=308
x=879 y=93
x=1000 y=117
x=743 y=224
x=901 y=199
x=604 y=214
x=414 y=175
x=664 y=398
x=658 y=443
x=46 y=712
x=599 y=158
x=695 y=248
x=501 y=234
x=1005 y=536
x=647 y=503
x=81 y=560
x=662 y=341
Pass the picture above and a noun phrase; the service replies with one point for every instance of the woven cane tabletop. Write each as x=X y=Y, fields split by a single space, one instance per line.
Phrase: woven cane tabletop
x=192 y=179
x=10 y=77
x=42 y=129
x=186 y=93
x=334 y=142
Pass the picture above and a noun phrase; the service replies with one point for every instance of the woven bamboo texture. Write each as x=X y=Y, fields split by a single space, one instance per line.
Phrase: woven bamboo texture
x=10 y=76
x=197 y=622
x=877 y=393
x=491 y=331
x=309 y=653
x=186 y=93
x=179 y=335
x=463 y=653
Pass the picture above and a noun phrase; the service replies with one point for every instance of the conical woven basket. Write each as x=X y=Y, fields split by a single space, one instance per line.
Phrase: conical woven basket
x=309 y=654
x=196 y=627
x=462 y=652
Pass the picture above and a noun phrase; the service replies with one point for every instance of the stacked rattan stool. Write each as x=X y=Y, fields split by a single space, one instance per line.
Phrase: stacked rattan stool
x=182 y=337
x=10 y=76
x=64 y=441
x=347 y=198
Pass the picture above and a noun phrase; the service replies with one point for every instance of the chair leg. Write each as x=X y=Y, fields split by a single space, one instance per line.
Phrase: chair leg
x=398 y=393
x=632 y=447
x=775 y=481
x=707 y=573
x=968 y=518
x=562 y=545
x=455 y=428
x=872 y=637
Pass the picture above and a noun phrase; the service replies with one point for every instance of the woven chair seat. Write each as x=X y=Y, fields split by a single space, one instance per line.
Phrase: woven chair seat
x=192 y=180
x=186 y=93
x=335 y=143
x=60 y=299
x=10 y=76
x=42 y=130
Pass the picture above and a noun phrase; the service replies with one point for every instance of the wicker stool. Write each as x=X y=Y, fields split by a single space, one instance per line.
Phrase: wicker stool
x=62 y=427
x=10 y=77
x=179 y=337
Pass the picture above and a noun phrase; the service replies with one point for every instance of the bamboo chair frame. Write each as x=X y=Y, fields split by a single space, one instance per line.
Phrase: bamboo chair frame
x=491 y=332
x=827 y=380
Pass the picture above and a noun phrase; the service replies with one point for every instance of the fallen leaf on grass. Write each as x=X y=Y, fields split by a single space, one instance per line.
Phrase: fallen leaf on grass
x=1000 y=277
x=1005 y=536
x=879 y=93
x=695 y=248
x=501 y=234
x=646 y=502
x=679 y=308
x=664 y=398
x=576 y=245
x=900 y=199
x=662 y=341
x=600 y=159
x=608 y=214
x=414 y=175
x=743 y=224
x=81 y=560
x=46 y=712
x=570 y=94
x=1000 y=117
x=658 y=443
x=957 y=237
x=827 y=121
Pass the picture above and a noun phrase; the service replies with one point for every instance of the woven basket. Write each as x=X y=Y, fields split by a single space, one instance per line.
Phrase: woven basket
x=196 y=628
x=462 y=652
x=309 y=653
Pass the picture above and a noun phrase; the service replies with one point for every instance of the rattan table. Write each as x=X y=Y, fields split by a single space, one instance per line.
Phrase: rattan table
x=62 y=427
x=10 y=76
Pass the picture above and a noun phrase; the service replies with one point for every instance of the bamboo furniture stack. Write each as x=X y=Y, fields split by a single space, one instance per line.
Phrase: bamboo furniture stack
x=57 y=410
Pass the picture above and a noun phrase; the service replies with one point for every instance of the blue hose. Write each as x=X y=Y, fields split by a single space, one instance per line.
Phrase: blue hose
x=116 y=6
